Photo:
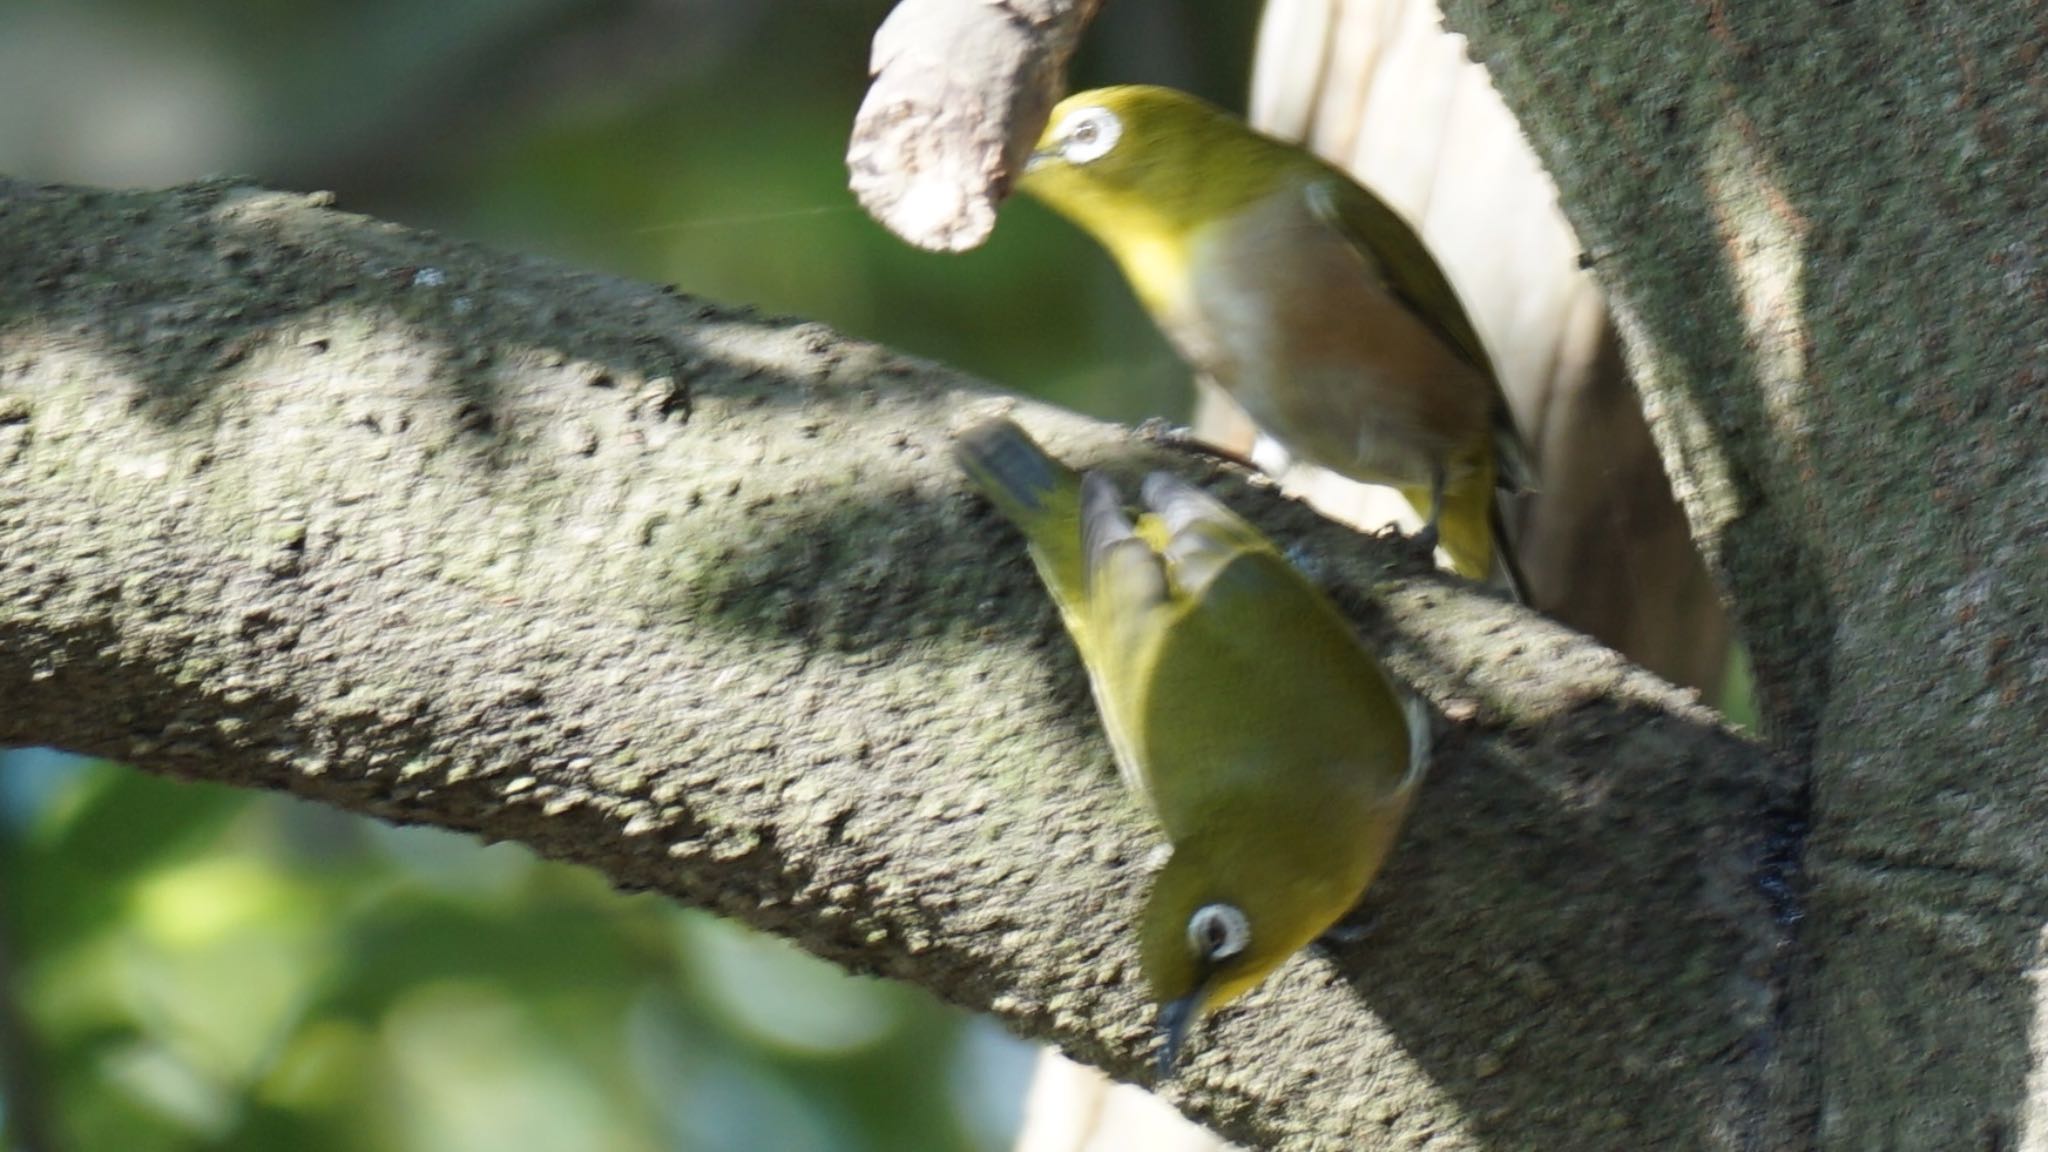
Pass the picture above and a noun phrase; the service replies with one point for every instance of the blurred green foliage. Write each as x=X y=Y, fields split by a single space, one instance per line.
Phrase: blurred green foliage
x=202 y=968
x=732 y=185
x=193 y=968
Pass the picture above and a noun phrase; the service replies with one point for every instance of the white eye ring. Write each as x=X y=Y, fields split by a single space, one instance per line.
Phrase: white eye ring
x=1218 y=931
x=1088 y=134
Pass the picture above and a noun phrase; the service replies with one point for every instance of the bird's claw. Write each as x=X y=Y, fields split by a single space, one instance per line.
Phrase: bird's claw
x=1426 y=539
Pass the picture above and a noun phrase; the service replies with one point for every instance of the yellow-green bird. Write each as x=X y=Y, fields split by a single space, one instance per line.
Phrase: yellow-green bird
x=1307 y=298
x=1275 y=752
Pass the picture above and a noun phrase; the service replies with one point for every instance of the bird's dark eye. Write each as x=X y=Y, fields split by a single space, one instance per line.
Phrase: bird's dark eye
x=1086 y=133
x=1218 y=931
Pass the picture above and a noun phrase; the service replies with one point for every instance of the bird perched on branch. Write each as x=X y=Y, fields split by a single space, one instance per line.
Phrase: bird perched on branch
x=1276 y=753
x=1304 y=296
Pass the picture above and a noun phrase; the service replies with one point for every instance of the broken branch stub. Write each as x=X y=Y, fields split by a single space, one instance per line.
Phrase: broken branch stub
x=960 y=93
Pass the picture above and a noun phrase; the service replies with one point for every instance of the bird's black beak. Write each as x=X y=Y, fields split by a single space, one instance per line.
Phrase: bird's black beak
x=1040 y=158
x=1175 y=1021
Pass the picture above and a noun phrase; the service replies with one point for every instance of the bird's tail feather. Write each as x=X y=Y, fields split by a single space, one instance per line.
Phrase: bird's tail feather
x=1038 y=494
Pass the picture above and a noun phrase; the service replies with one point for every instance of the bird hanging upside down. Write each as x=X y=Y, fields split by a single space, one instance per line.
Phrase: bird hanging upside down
x=1275 y=752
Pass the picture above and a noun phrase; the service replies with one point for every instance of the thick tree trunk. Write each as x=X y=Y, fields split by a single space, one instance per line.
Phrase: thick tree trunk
x=1821 y=229
x=292 y=499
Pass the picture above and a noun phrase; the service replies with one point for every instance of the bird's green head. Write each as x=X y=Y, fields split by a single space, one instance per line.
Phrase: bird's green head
x=1140 y=164
x=1210 y=931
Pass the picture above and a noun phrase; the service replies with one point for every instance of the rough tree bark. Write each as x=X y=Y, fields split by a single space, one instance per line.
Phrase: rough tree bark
x=1820 y=228
x=296 y=500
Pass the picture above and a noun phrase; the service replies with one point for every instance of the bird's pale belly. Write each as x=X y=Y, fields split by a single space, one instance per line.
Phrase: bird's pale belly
x=1305 y=336
x=1385 y=407
x=1340 y=420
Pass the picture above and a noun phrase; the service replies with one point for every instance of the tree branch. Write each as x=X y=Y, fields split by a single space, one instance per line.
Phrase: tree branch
x=298 y=500
x=960 y=93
